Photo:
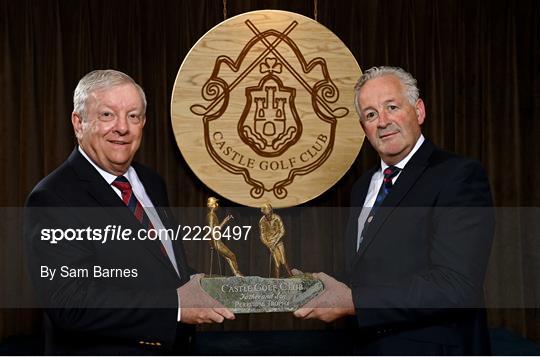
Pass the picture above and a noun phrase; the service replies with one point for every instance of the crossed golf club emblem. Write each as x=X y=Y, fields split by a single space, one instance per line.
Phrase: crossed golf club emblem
x=323 y=93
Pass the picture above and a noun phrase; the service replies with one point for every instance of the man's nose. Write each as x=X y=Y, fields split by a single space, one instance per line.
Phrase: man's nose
x=383 y=119
x=121 y=124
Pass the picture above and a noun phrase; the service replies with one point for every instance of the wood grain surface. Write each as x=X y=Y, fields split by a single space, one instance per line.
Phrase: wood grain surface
x=262 y=109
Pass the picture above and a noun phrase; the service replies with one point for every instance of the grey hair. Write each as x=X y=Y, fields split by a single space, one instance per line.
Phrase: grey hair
x=411 y=90
x=98 y=80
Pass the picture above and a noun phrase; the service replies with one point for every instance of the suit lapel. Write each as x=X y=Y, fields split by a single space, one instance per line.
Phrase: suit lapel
x=408 y=177
x=104 y=194
x=98 y=188
x=161 y=206
x=357 y=201
x=167 y=218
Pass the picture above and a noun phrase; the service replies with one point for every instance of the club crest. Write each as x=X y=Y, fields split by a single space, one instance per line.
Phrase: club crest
x=269 y=122
x=270 y=114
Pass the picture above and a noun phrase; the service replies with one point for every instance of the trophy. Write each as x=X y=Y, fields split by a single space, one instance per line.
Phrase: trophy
x=251 y=294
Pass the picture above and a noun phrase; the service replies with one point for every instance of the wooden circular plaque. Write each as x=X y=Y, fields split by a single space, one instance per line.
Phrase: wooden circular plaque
x=263 y=109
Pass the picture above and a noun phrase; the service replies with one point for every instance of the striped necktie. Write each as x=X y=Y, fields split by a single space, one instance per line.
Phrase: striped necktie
x=136 y=208
x=389 y=173
x=131 y=201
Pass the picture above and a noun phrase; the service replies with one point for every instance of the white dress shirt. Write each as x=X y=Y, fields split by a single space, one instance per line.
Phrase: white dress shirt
x=375 y=185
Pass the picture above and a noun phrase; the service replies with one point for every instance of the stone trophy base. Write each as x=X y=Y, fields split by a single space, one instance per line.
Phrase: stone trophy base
x=253 y=294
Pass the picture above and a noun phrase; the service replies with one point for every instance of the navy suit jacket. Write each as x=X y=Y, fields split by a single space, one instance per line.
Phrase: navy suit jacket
x=97 y=315
x=417 y=278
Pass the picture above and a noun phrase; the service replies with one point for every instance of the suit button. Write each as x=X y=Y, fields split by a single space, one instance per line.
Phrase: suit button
x=141 y=342
x=158 y=343
x=189 y=339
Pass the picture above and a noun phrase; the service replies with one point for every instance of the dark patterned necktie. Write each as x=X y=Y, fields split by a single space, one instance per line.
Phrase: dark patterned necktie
x=131 y=201
x=135 y=206
x=389 y=173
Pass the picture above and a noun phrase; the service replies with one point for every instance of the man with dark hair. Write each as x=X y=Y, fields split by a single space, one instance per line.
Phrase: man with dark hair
x=418 y=238
x=116 y=296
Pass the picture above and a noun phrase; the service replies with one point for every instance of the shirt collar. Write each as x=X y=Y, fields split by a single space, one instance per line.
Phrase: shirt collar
x=106 y=175
x=406 y=159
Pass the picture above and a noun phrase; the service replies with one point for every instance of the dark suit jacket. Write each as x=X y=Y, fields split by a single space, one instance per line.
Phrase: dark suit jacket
x=417 y=278
x=97 y=315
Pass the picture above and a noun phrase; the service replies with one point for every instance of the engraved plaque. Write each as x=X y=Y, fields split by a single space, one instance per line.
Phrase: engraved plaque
x=263 y=109
x=253 y=294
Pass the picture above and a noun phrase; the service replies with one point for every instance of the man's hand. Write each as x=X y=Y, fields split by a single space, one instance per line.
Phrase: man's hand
x=334 y=302
x=197 y=306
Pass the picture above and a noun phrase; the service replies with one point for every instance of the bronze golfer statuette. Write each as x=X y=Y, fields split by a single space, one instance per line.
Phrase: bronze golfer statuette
x=253 y=294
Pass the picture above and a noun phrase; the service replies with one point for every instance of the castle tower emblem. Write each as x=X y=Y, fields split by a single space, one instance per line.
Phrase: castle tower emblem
x=269 y=122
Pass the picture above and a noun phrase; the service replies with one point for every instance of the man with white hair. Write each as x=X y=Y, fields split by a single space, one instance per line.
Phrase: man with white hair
x=125 y=294
x=418 y=238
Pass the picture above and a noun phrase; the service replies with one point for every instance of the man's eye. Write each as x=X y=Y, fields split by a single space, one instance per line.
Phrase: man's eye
x=135 y=118
x=106 y=116
x=392 y=107
x=370 y=115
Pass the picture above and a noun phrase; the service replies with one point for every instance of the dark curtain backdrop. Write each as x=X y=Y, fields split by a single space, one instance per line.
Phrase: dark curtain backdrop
x=476 y=63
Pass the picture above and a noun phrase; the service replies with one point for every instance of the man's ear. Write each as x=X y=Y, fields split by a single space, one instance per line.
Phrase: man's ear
x=77 y=121
x=420 y=111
